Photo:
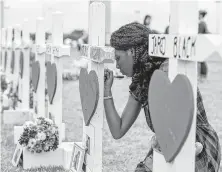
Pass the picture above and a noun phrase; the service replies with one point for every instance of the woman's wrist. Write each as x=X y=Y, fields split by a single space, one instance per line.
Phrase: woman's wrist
x=107 y=93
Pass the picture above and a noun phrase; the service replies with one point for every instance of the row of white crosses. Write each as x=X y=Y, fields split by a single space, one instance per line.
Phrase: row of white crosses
x=185 y=49
x=18 y=116
x=56 y=51
x=23 y=113
x=97 y=54
x=20 y=49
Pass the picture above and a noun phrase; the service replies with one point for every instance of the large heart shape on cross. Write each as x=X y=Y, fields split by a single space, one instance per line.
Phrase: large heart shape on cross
x=35 y=74
x=171 y=108
x=89 y=93
x=21 y=64
x=51 y=73
x=13 y=62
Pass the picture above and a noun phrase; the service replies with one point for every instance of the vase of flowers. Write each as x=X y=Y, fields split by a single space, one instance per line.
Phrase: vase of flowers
x=40 y=141
x=40 y=136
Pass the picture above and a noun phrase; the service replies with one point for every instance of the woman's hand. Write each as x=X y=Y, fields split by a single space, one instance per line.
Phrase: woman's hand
x=199 y=148
x=108 y=80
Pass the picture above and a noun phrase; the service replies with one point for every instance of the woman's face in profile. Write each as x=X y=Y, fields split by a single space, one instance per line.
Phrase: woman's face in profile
x=124 y=62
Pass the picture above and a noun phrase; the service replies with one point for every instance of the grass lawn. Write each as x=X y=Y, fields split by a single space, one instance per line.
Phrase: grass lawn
x=124 y=154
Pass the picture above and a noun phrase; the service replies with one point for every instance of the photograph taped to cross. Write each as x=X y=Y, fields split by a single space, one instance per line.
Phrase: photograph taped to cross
x=89 y=144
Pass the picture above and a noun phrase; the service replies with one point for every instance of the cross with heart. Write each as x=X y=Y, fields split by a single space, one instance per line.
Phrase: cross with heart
x=171 y=108
x=9 y=46
x=88 y=83
x=54 y=53
x=172 y=99
x=3 y=49
x=91 y=85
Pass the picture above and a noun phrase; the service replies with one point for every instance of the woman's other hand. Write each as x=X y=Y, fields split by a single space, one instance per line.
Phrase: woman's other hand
x=108 y=80
x=199 y=148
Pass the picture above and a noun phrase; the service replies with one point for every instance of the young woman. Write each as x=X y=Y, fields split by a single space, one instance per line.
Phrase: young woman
x=131 y=50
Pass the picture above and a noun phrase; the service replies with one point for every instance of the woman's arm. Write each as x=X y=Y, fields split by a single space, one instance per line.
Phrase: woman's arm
x=120 y=125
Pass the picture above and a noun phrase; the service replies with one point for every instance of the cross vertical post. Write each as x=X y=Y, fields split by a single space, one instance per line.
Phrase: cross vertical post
x=24 y=65
x=184 y=48
x=40 y=57
x=57 y=51
x=97 y=54
x=16 y=54
x=9 y=53
x=3 y=48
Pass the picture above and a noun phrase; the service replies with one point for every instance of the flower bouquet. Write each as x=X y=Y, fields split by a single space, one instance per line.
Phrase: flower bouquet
x=40 y=136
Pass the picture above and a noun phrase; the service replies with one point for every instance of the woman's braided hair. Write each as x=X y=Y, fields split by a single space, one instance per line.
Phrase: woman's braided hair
x=136 y=36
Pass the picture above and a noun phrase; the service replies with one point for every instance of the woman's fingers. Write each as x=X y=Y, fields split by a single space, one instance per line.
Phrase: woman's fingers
x=199 y=148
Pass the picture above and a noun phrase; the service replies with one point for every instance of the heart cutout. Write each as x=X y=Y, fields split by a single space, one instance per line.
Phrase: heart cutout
x=13 y=62
x=21 y=64
x=89 y=93
x=171 y=108
x=35 y=74
x=51 y=73
x=5 y=65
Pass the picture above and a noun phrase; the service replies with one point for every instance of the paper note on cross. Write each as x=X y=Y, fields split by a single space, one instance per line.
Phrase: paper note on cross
x=184 y=48
x=54 y=69
x=97 y=54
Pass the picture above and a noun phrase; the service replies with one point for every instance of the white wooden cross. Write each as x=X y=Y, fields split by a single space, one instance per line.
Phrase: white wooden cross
x=22 y=113
x=57 y=50
x=40 y=49
x=98 y=54
x=62 y=155
x=184 y=48
x=9 y=52
x=16 y=47
x=25 y=79
x=3 y=48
